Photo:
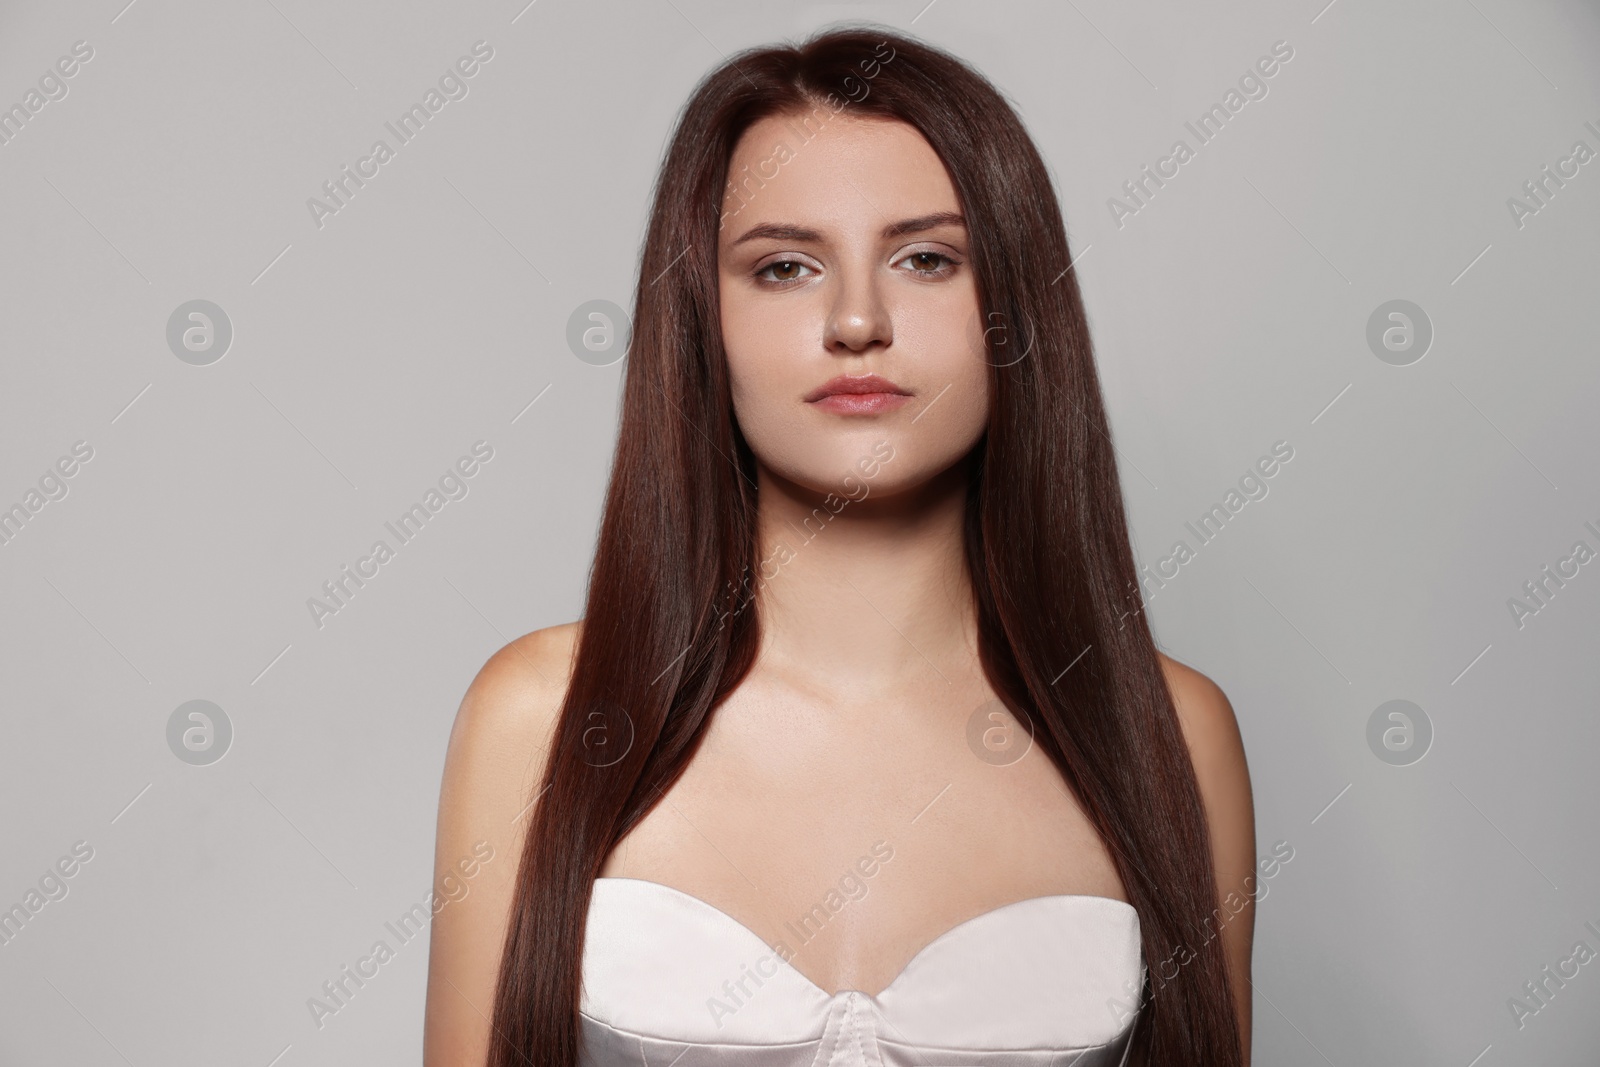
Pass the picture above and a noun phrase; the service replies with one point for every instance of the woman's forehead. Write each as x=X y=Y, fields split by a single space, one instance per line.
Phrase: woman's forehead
x=852 y=176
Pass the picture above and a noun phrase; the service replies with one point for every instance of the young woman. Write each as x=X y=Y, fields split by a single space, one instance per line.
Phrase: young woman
x=862 y=752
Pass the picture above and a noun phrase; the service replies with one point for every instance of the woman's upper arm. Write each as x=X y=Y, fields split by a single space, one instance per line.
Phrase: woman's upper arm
x=496 y=756
x=1212 y=734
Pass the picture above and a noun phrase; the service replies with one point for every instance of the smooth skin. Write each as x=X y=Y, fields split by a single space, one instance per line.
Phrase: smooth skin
x=851 y=728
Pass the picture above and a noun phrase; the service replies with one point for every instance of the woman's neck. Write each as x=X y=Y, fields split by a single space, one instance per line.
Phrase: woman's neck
x=865 y=595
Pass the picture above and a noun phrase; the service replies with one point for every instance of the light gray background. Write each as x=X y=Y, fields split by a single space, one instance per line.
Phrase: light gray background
x=369 y=354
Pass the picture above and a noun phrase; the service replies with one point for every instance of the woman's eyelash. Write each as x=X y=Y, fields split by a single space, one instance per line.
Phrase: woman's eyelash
x=950 y=264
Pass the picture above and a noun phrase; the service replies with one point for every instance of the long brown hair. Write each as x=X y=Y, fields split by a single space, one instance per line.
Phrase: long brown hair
x=665 y=635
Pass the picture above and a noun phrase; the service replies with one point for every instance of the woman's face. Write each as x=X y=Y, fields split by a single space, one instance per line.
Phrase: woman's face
x=851 y=260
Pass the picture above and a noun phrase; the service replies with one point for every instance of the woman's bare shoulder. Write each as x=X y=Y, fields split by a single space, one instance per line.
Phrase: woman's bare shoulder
x=492 y=770
x=1211 y=731
x=1203 y=708
x=1216 y=749
x=502 y=734
x=518 y=690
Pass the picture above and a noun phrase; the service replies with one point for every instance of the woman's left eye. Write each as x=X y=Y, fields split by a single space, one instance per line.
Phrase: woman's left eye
x=924 y=257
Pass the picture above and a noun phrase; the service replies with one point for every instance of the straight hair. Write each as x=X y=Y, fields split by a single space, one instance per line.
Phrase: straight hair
x=1063 y=639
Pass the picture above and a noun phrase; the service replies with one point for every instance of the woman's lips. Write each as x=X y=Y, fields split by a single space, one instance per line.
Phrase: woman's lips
x=865 y=394
x=860 y=403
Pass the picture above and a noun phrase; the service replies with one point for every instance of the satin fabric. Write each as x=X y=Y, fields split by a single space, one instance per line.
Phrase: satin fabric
x=671 y=981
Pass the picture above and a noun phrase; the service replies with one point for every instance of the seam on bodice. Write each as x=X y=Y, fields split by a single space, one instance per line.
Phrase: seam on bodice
x=837 y=1030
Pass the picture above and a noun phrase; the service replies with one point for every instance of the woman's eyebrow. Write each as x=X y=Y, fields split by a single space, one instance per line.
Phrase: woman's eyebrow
x=925 y=222
x=790 y=232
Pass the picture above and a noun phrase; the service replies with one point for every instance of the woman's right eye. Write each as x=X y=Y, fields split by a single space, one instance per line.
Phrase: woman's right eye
x=784 y=266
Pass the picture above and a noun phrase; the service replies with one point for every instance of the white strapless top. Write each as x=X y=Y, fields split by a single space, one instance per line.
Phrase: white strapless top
x=671 y=981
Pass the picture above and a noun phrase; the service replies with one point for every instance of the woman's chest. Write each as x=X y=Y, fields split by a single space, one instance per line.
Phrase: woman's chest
x=851 y=843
